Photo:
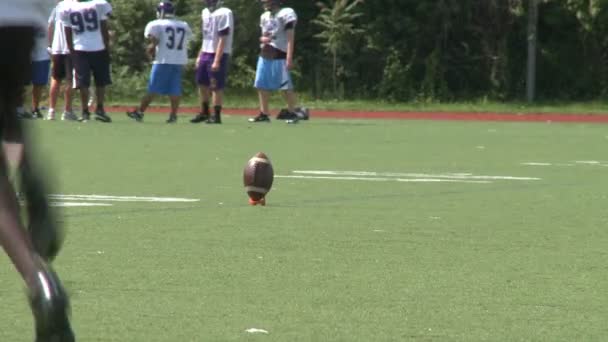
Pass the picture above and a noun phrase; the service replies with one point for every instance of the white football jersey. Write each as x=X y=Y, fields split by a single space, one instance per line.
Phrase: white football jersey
x=212 y=24
x=85 y=20
x=59 y=45
x=273 y=26
x=173 y=37
x=41 y=42
x=25 y=12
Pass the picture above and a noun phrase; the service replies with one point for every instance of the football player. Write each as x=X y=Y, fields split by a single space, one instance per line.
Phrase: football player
x=212 y=61
x=87 y=37
x=61 y=66
x=19 y=20
x=277 y=44
x=41 y=64
x=168 y=47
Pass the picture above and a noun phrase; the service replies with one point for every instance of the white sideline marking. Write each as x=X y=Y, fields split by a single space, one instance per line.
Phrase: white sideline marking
x=448 y=176
x=384 y=179
x=256 y=331
x=120 y=198
x=536 y=164
x=78 y=204
x=574 y=163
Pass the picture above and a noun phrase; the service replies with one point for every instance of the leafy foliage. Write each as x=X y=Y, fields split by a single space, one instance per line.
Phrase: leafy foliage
x=404 y=50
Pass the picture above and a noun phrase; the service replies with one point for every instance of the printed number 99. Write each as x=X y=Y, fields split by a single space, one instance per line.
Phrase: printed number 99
x=87 y=20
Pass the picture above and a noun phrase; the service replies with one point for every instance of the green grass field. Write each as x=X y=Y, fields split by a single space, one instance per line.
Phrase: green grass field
x=447 y=231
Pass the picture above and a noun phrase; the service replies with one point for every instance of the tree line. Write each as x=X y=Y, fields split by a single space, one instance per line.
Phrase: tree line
x=404 y=50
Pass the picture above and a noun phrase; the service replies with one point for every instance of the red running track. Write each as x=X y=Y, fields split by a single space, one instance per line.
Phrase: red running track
x=453 y=116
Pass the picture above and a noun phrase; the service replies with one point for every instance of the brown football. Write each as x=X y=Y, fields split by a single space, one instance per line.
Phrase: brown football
x=258 y=176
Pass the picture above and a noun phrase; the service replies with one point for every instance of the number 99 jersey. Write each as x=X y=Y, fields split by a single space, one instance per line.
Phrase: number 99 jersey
x=85 y=20
x=173 y=36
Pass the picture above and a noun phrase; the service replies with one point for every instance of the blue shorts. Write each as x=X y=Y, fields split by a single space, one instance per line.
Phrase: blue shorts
x=272 y=74
x=40 y=72
x=166 y=79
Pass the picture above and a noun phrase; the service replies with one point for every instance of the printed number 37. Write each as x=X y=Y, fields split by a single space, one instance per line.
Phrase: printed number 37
x=175 y=35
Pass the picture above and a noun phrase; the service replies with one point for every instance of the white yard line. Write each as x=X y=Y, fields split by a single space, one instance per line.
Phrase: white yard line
x=79 y=204
x=568 y=164
x=385 y=179
x=447 y=176
x=120 y=198
x=536 y=164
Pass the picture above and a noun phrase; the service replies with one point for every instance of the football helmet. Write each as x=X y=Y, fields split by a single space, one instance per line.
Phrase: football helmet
x=165 y=9
x=212 y=5
x=270 y=4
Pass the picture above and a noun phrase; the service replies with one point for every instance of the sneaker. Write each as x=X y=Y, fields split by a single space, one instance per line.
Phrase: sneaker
x=172 y=119
x=283 y=114
x=200 y=117
x=51 y=307
x=36 y=114
x=214 y=119
x=260 y=118
x=69 y=116
x=303 y=113
x=22 y=114
x=136 y=115
x=86 y=116
x=100 y=115
x=50 y=115
x=293 y=121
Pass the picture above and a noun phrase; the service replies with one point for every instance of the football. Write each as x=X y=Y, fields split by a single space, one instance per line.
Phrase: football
x=257 y=178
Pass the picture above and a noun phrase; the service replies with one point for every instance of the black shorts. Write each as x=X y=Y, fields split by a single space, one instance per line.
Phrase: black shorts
x=62 y=67
x=87 y=62
x=15 y=70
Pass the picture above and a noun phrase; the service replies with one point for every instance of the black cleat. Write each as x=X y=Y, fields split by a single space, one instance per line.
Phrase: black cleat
x=260 y=118
x=214 y=119
x=100 y=115
x=36 y=114
x=25 y=115
x=50 y=306
x=136 y=115
x=86 y=116
x=200 y=118
x=172 y=119
x=283 y=114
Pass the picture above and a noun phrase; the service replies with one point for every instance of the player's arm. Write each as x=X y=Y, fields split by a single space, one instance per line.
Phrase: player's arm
x=265 y=38
x=51 y=28
x=219 y=52
x=105 y=33
x=105 y=11
x=67 y=30
x=151 y=47
x=69 y=38
x=51 y=33
x=291 y=40
x=200 y=52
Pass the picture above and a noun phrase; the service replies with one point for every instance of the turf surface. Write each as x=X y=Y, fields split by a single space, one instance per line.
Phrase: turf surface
x=345 y=256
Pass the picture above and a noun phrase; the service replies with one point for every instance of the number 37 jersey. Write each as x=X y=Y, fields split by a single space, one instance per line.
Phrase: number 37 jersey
x=173 y=37
x=84 y=18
